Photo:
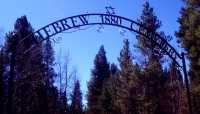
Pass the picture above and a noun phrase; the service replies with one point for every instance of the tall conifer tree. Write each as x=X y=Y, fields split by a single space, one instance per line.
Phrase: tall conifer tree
x=110 y=92
x=149 y=20
x=29 y=85
x=189 y=37
x=21 y=63
x=99 y=73
x=128 y=78
x=76 y=98
x=153 y=73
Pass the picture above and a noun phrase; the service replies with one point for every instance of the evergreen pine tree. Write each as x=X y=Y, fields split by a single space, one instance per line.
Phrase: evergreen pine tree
x=99 y=73
x=152 y=73
x=29 y=68
x=76 y=99
x=48 y=58
x=149 y=20
x=128 y=78
x=173 y=98
x=110 y=93
x=20 y=62
x=29 y=85
x=189 y=37
x=48 y=76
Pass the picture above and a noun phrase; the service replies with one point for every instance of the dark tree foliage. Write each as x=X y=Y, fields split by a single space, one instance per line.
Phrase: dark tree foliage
x=189 y=37
x=152 y=24
x=63 y=105
x=2 y=81
x=99 y=73
x=21 y=63
x=173 y=100
x=49 y=75
x=30 y=87
x=76 y=99
x=48 y=58
x=129 y=80
x=110 y=92
x=125 y=61
x=149 y=20
x=153 y=74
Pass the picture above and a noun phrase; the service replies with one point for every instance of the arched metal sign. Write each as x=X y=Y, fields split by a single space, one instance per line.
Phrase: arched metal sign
x=105 y=19
x=113 y=20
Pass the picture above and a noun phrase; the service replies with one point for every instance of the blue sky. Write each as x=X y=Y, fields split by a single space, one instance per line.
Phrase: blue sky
x=83 y=45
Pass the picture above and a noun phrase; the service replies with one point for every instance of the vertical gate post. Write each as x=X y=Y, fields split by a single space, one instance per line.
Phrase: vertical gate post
x=187 y=84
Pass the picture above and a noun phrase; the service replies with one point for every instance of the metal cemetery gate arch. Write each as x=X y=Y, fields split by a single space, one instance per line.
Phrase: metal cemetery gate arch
x=113 y=20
